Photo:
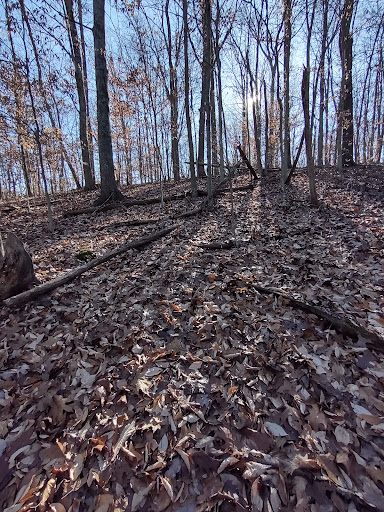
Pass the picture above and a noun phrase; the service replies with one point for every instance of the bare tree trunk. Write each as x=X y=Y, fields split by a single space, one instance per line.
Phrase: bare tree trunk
x=85 y=78
x=173 y=99
x=109 y=190
x=380 y=111
x=287 y=52
x=346 y=96
x=266 y=126
x=308 y=137
x=37 y=134
x=192 y=171
x=212 y=102
x=18 y=103
x=320 y=154
x=44 y=95
x=219 y=91
x=206 y=84
x=79 y=78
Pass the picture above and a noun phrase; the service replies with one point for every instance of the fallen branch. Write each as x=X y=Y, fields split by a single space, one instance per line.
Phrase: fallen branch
x=218 y=245
x=23 y=298
x=132 y=223
x=127 y=204
x=143 y=222
x=341 y=325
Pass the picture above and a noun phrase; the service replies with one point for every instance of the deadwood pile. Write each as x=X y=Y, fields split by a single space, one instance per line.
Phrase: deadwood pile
x=166 y=379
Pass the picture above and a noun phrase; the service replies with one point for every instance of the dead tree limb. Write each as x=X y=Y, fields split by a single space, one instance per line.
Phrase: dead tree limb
x=247 y=163
x=342 y=325
x=292 y=170
x=132 y=223
x=23 y=298
x=127 y=204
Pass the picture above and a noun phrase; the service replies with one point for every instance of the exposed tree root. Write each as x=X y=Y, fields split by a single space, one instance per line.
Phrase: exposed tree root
x=115 y=197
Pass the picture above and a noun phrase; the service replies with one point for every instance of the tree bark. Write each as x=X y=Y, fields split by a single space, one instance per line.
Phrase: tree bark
x=206 y=84
x=173 y=97
x=346 y=95
x=324 y=36
x=287 y=52
x=109 y=190
x=43 y=94
x=192 y=170
x=85 y=78
x=80 y=80
x=308 y=137
x=18 y=104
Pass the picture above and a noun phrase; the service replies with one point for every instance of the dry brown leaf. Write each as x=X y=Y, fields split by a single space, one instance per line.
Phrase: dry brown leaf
x=57 y=507
x=104 y=503
x=47 y=495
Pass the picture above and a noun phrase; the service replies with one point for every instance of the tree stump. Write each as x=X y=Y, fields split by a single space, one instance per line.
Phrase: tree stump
x=16 y=267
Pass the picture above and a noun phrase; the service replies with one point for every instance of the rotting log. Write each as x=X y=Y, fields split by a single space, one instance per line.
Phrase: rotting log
x=23 y=298
x=341 y=325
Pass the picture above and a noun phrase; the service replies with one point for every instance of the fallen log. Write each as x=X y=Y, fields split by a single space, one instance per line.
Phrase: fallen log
x=127 y=204
x=217 y=245
x=23 y=298
x=341 y=325
x=143 y=222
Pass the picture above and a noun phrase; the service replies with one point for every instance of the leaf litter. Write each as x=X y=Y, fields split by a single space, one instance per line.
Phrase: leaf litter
x=164 y=380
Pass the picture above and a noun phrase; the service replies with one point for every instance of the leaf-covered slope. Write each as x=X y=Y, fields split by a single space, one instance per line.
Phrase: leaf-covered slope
x=163 y=380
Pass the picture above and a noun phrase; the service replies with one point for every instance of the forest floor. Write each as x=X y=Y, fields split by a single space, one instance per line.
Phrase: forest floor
x=165 y=380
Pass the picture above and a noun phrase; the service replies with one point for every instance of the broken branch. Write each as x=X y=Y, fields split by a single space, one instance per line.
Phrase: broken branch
x=23 y=298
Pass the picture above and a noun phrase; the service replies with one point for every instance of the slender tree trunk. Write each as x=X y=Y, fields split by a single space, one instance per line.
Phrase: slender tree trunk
x=37 y=134
x=219 y=89
x=287 y=52
x=109 y=190
x=85 y=78
x=266 y=114
x=173 y=99
x=346 y=96
x=18 y=104
x=212 y=102
x=308 y=137
x=380 y=110
x=192 y=171
x=79 y=78
x=43 y=94
x=320 y=154
x=206 y=84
